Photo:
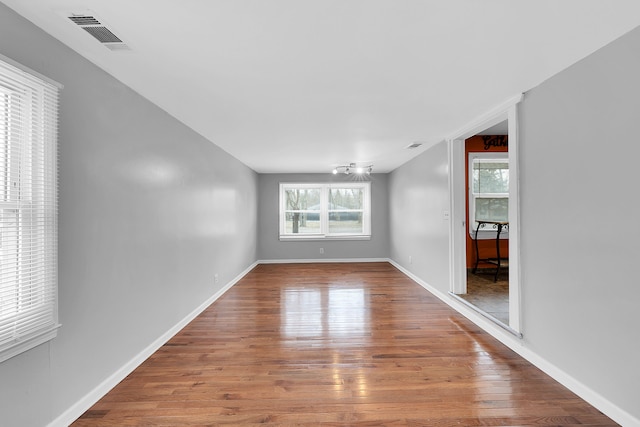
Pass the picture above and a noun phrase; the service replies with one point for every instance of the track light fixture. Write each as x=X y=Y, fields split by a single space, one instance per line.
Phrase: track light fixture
x=353 y=168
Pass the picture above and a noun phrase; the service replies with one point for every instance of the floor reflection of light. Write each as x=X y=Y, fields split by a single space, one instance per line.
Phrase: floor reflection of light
x=338 y=380
x=347 y=317
x=362 y=386
x=312 y=312
x=346 y=312
x=483 y=364
x=335 y=312
x=302 y=312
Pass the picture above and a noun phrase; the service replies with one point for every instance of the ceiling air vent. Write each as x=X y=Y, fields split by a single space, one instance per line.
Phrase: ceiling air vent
x=99 y=31
x=414 y=145
x=84 y=20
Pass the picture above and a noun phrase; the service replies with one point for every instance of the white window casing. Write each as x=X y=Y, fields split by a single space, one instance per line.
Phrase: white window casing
x=28 y=209
x=323 y=211
x=481 y=194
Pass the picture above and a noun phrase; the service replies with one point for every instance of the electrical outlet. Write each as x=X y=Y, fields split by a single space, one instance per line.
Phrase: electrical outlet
x=321 y=251
x=410 y=259
x=215 y=278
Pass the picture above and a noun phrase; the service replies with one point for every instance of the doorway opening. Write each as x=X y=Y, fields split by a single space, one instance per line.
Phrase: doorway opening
x=484 y=217
x=487 y=219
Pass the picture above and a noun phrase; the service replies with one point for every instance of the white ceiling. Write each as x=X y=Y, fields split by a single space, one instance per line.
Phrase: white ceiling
x=303 y=85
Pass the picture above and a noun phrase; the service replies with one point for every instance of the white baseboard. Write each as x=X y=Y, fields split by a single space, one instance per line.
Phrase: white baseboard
x=75 y=411
x=604 y=405
x=320 y=260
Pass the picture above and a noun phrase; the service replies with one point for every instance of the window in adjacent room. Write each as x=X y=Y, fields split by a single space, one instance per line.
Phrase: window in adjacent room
x=28 y=204
x=321 y=211
x=488 y=188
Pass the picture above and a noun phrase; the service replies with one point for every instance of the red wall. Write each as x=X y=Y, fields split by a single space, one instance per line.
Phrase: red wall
x=487 y=248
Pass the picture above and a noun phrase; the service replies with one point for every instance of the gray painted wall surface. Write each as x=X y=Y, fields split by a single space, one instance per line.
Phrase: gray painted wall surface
x=580 y=211
x=271 y=248
x=149 y=212
x=419 y=196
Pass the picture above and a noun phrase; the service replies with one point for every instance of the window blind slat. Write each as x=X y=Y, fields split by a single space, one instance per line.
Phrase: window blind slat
x=28 y=207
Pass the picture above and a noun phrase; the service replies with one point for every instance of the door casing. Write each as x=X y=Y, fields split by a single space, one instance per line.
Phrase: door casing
x=457 y=190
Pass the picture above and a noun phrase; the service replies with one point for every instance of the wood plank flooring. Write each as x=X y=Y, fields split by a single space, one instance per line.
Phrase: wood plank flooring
x=336 y=345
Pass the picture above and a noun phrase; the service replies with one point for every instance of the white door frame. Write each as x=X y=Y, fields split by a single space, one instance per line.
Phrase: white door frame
x=457 y=191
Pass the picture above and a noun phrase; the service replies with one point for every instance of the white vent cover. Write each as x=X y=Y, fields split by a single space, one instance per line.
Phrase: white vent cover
x=414 y=145
x=98 y=30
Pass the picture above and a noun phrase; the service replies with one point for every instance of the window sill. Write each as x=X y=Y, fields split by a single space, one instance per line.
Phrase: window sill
x=321 y=238
x=28 y=343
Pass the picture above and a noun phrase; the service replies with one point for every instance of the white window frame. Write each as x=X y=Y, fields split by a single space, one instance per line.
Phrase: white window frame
x=28 y=209
x=323 y=233
x=486 y=233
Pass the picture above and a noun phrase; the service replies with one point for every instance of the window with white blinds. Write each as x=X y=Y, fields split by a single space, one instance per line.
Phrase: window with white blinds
x=28 y=210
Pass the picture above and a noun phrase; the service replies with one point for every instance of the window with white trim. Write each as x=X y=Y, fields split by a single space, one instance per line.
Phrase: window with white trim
x=28 y=210
x=488 y=189
x=325 y=211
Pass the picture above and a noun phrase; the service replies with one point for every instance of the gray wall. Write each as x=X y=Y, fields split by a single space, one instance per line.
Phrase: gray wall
x=580 y=211
x=579 y=154
x=149 y=212
x=271 y=248
x=419 y=196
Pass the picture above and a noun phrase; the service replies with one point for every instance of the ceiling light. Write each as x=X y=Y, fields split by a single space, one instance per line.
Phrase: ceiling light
x=352 y=167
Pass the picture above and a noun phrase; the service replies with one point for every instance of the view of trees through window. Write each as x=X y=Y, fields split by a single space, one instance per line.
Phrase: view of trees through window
x=490 y=189
x=303 y=210
x=345 y=210
x=324 y=209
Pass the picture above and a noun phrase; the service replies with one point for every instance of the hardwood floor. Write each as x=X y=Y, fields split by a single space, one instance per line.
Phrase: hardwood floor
x=334 y=345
